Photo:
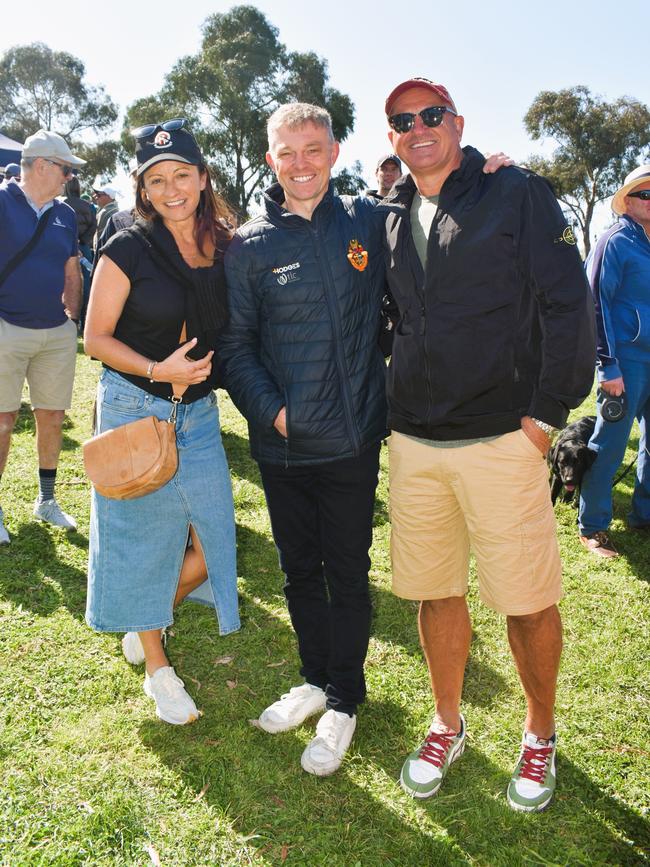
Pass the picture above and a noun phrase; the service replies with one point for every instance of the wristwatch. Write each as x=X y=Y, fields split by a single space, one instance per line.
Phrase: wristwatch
x=548 y=429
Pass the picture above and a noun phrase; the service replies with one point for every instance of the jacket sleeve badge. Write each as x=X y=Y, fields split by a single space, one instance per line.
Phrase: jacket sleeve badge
x=357 y=256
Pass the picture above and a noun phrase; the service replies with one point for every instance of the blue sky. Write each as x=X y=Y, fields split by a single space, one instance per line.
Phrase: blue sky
x=493 y=58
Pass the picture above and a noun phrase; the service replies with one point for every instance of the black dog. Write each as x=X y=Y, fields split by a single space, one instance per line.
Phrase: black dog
x=569 y=459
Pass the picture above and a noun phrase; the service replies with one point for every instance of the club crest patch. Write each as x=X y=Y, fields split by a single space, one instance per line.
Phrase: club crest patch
x=567 y=237
x=162 y=139
x=357 y=256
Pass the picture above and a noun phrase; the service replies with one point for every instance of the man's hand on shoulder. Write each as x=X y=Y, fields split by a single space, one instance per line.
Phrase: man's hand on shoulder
x=494 y=162
x=536 y=435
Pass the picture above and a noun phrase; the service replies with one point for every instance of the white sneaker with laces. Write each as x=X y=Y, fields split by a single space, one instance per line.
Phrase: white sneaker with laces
x=173 y=704
x=50 y=512
x=325 y=753
x=4 y=535
x=132 y=647
x=292 y=709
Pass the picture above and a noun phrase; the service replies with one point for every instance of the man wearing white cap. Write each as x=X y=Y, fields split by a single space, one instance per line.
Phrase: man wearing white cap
x=104 y=197
x=619 y=272
x=40 y=297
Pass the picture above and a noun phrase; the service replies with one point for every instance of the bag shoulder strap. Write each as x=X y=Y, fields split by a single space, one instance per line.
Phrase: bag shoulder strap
x=22 y=254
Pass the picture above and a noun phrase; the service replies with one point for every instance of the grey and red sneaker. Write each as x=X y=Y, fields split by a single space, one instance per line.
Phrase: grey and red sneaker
x=425 y=768
x=532 y=783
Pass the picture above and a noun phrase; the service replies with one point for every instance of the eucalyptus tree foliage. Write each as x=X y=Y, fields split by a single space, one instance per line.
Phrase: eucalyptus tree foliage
x=46 y=89
x=227 y=91
x=598 y=143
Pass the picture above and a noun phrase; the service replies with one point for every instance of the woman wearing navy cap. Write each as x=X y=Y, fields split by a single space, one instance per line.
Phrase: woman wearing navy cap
x=158 y=303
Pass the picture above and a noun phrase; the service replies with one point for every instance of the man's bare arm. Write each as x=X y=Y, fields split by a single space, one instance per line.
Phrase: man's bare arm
x=72 y=288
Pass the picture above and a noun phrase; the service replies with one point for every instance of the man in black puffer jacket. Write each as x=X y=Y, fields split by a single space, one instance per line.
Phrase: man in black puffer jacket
x=303 y=365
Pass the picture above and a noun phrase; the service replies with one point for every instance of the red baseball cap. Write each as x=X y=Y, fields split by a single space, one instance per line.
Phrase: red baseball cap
x=439 y=89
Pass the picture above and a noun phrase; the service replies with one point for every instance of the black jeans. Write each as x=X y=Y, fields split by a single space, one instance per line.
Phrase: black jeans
x=321 y=516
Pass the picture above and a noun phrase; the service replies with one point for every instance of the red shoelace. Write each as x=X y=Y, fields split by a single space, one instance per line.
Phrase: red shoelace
x=534 y=763
x=436 y=747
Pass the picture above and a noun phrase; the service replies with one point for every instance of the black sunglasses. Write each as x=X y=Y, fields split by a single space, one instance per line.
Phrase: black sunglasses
x=68 y=171
x=431 y=116
x=640 y=194
x=168 y=125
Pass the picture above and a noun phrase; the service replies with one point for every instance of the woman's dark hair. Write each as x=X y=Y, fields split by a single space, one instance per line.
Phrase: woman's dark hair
x=73 y=187
x=214 y=218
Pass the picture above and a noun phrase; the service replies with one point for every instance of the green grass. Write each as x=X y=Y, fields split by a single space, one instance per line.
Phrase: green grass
x=89 y=775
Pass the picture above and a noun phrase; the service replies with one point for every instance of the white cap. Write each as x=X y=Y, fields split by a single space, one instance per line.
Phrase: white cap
x=50 y=146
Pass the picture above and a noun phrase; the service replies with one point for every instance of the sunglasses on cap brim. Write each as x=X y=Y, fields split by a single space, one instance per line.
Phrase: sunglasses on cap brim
x=644 y=195
x=431 y=116
x=149 y=128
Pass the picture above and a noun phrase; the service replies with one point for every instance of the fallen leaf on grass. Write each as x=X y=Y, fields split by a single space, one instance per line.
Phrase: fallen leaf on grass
x=153 y=854
x=202 y=792
x=224 y=660
x=210 y=742
x=278 y=801
x=284 y=852
x=276 y=664
x=231 y=684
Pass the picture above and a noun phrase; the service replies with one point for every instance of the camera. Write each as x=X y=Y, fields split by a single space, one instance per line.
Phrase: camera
x=613 y=408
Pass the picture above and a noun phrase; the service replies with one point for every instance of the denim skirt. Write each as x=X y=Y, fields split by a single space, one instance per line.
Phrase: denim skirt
x=137 y=546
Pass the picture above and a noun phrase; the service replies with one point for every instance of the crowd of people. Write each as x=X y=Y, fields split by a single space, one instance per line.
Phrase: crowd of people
x=492 y=343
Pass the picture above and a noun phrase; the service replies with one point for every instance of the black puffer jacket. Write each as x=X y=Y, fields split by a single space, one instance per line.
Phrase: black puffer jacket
x=303 y=331
x=501 y=325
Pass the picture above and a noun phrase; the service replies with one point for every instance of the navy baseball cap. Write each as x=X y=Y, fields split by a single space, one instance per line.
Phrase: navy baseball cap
x=159 y=144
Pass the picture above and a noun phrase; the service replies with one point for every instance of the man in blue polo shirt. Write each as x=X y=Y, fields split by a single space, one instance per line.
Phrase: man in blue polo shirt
x=39 y=302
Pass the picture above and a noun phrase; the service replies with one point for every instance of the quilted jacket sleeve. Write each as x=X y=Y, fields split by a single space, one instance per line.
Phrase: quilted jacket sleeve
x=247 y=380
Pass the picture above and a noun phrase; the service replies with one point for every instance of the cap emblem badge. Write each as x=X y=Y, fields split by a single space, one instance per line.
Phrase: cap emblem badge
x=162 y=139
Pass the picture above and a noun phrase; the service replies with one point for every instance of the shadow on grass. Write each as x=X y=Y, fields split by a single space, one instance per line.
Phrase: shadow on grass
x=255 y=779
x=33 y=576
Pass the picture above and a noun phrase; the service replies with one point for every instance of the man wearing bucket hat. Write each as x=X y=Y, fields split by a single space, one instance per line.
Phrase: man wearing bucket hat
x=619 y=272
x=40 y=296
x=493 y=346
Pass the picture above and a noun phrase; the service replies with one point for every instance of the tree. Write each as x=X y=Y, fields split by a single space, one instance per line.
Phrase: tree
x=241 y=74
x=45 y=89
x=598 y=144
x=349 y=181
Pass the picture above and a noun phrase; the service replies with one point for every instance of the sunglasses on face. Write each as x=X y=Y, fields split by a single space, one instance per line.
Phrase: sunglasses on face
x=431 y=116
x=68 y=171
x=168 y=125
x=644 y=195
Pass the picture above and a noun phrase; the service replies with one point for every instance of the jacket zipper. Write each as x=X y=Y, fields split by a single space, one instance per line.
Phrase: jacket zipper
x=330 y=297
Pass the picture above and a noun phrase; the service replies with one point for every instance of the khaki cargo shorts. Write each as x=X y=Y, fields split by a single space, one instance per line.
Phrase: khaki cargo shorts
x=45 y=357
x=491 y=498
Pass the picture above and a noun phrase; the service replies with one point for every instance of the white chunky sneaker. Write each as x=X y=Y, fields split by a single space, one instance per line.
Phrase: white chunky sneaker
x=325 y=753
x=50 y=512
x=292 y=709
x=173 y=704
x=132 y=647
x=4 y=535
